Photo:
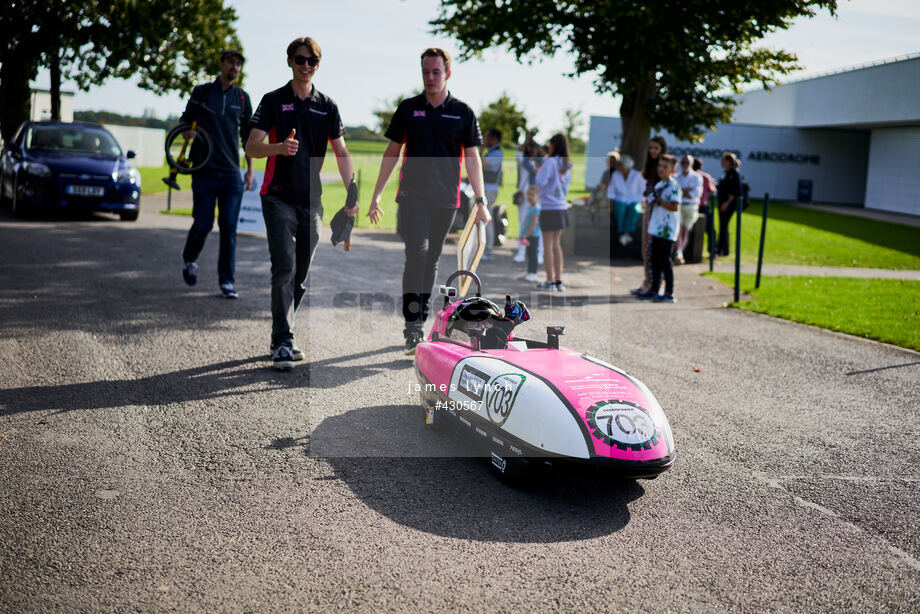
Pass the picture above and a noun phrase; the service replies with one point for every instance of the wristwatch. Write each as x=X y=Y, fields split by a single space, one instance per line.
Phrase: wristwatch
x=481 y=201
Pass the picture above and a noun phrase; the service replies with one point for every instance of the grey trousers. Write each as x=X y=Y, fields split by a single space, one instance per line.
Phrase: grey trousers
x=293 y=233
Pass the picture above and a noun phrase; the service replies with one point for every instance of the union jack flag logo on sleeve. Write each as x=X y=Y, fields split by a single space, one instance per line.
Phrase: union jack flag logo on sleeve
x=287 y=107
x=418 y=113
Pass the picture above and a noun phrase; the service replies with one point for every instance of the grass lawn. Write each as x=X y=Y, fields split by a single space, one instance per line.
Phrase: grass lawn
x=800 y=236
x=886 y=310
x=366 y=156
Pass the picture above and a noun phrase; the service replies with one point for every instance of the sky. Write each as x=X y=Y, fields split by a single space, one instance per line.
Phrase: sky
x=371 y=49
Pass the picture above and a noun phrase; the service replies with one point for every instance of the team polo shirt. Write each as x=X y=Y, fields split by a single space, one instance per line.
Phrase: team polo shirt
x=295 y=178
x=434 y=138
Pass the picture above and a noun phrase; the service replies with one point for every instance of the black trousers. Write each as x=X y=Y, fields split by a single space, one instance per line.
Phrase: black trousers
x=533 y=257
x=661 y=264
x=725 y=218
x=423 y=230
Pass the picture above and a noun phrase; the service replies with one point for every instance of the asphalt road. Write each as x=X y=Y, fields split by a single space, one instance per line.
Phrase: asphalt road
x=153 y=461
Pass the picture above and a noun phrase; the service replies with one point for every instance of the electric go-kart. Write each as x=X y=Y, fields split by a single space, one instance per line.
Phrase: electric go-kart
x=534 y=403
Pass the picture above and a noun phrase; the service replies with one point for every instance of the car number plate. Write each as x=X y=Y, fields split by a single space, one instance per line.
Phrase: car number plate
x=85 y=190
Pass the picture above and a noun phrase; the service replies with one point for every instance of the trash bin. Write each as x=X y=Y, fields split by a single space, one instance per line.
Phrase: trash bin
x=804 y=191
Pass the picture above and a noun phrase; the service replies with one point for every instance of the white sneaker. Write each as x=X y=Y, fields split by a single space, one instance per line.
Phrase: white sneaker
x=523 y=275
x=530 y=277
x=547 y=285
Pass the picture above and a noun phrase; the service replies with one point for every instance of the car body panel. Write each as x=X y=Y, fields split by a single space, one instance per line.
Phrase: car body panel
x=79 y=180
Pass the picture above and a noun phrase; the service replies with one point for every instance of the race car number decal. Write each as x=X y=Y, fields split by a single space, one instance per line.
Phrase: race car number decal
x=623 y=425
x=501 y=392
x=472 y=382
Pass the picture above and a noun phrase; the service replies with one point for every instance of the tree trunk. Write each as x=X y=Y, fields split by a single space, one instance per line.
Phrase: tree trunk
x=15 y=101
x=55 y=68
x=636 y=121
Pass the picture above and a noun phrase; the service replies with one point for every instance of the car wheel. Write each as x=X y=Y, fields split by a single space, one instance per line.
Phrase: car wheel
x=18 y=206
x=516 y=472
x=129 y=216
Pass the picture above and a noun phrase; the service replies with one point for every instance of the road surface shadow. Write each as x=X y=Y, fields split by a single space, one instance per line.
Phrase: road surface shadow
x=115 y=278
x=231 y=378
x=439 y=483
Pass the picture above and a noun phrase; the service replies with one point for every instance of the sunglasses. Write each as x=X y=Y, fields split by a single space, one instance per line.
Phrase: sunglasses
x=300 y=60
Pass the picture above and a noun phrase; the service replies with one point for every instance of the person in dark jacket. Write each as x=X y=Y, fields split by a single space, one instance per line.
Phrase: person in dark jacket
x=727 y=192
x=226 y=120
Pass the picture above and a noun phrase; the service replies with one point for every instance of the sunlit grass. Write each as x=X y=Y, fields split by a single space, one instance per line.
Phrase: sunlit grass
x=886 y=310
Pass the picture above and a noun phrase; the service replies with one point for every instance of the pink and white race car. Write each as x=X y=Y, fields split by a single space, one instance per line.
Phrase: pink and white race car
x=534 y=403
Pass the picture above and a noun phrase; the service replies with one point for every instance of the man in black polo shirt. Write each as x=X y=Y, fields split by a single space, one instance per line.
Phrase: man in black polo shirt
x=438 y=131
x=219 y=180
x=299 y=121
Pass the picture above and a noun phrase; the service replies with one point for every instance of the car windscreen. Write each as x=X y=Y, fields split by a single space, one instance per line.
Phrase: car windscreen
x=72 y=139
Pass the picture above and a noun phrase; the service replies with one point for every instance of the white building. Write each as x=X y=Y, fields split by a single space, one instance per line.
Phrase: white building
x=853 y=134
x=40 y=105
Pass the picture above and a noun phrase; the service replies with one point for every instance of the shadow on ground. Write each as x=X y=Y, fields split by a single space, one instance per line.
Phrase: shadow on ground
x=438 y=482
x=232 y=378
x=109 y=277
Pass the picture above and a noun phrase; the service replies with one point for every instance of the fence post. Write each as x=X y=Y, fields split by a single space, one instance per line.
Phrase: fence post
x=711 y=229
x=763 y=234
x=739 y=208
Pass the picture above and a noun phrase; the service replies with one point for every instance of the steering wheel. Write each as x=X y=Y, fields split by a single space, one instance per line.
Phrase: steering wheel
x=465 y=273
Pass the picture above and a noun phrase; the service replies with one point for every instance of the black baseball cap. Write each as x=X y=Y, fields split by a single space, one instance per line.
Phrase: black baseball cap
x=230 y=53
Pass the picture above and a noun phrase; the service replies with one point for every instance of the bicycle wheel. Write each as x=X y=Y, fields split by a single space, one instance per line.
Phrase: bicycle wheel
x=175 y=141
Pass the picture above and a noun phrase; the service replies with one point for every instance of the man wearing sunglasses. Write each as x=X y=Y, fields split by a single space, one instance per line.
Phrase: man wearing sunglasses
x=298 y=122
x=438 y=132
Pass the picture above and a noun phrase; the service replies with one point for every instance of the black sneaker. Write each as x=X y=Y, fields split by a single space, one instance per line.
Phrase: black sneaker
x=296 y=352
x=190 y=273
x=413 y=340
x=283 y=358
x=228 y=291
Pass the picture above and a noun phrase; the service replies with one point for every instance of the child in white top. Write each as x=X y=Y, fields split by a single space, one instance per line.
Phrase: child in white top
x=663 y=227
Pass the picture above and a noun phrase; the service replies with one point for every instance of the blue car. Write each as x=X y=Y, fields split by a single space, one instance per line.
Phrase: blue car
x=55 y=165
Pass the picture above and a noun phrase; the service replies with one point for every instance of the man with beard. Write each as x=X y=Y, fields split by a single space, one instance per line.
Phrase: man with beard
x=225 y=120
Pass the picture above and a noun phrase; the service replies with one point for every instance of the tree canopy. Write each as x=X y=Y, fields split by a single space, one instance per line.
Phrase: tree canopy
x=503 y=115
x=677 y=65
x=165 y=45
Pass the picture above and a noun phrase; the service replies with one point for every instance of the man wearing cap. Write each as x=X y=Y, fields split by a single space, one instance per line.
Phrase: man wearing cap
x=226 y=120
x=299 y=122
x=439 y=132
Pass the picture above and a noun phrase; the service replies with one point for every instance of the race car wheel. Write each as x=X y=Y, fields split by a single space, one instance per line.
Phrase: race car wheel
x=435 y=419
x=174 y=143
x=513 y=471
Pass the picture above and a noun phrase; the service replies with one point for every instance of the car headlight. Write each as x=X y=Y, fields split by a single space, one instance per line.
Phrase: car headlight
x=37 y=170
x=127 y=175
